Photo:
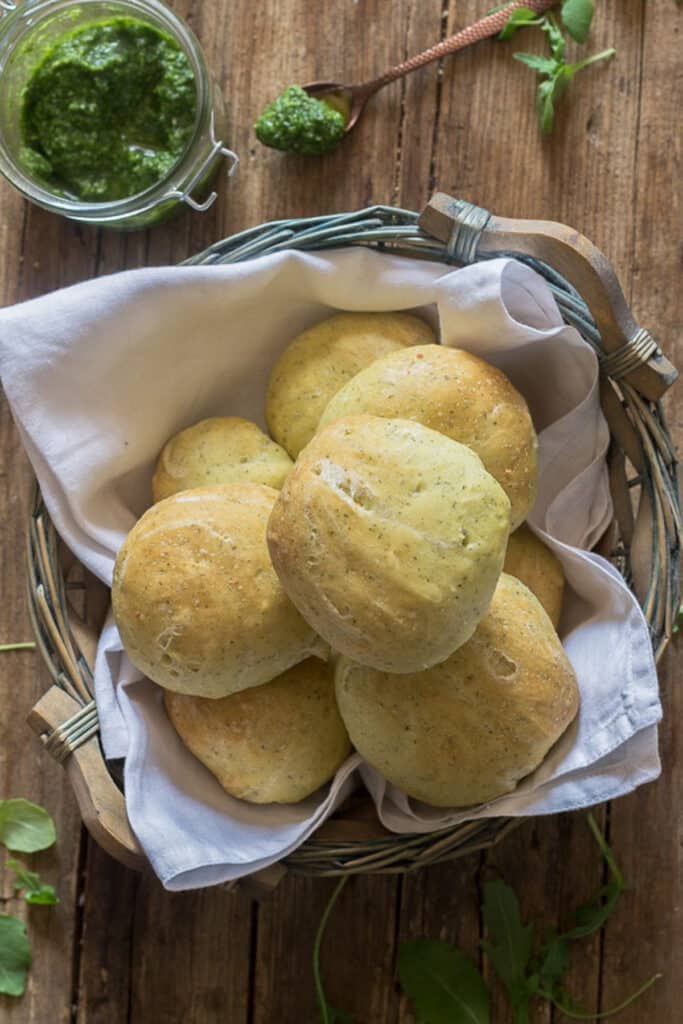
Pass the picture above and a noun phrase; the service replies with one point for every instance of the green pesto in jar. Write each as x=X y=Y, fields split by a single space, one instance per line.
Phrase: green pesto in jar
x=108 y=111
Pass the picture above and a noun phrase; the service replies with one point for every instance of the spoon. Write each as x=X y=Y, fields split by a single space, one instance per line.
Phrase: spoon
x=350 y=100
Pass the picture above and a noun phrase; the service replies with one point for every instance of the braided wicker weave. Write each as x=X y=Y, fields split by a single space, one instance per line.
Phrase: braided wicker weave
x=643 y=541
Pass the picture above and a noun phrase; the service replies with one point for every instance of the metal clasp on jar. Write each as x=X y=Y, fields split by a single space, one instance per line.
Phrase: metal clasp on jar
x=217 y=148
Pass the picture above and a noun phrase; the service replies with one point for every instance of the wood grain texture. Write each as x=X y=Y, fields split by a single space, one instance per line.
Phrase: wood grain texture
x=120 y=950
x=646 y=935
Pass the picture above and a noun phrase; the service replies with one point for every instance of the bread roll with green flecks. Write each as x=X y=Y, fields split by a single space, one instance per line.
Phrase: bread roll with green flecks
x=318 y=362
x=471 y=728
x=275 y=743
x=389 y=538
x=461 y=396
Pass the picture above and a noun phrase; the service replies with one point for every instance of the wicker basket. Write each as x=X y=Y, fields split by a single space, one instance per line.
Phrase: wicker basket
x=643 y=541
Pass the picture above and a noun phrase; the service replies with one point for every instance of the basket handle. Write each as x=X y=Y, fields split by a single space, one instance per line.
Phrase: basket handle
x=99 y=799
x=632 y=354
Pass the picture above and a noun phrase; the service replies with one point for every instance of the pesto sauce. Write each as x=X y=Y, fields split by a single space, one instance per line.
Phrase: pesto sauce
x=108 y=111
x=299 y=123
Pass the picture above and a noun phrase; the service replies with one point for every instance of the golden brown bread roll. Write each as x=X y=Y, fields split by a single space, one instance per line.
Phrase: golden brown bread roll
x=458 y=394
x=220 y=450
x=389 y=538
x=275 y=743
x=469 y=729
x=316 y=364
x=199 y=607
x=532 y=562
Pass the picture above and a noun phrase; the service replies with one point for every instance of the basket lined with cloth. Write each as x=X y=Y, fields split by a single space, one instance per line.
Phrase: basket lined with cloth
x=642 y=540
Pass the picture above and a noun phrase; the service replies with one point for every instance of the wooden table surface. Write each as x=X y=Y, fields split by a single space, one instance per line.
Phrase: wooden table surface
x=118 y=948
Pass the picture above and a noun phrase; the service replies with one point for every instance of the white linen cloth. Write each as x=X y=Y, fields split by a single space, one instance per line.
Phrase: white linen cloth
x=100 y=375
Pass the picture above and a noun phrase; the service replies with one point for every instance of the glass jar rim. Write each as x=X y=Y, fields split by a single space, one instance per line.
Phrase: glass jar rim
x=160 y=191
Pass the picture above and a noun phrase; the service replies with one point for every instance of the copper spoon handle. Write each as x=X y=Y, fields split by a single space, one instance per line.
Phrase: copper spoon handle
x=491 y=25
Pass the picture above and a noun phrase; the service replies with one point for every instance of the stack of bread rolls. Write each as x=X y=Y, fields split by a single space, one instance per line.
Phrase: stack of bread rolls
x=363 y=578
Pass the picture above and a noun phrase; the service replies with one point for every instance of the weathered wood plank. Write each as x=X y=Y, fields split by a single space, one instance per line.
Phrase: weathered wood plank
x=37 y=253
x=356 y=959
x=646 y=935
x=189 y=956
x=441 y=902
x=109 y=906
x=26 y=770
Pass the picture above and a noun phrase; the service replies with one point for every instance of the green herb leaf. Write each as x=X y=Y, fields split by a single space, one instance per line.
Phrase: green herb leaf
x=679 y=617
x=555 y=37
x=520 y=17
x=577 y=16
x=509 y=945
x=590 y=917
x=15 y=956
x=443 y=983
x=553 y=961
x=25 y=827
x=35 y=890
x=572 y=69
x=545 y=105
x=544 y=65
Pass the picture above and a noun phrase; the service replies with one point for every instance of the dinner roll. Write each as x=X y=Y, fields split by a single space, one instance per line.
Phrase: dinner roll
x=460 y=395
x=467 y=730
x=532 y=562
x=199 y=607
x=389 y=538
x=220 y=450
x=275 y=743
x=316 y=364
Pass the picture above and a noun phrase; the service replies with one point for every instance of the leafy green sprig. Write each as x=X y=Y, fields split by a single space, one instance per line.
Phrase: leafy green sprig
x=446 y=987
x=555 y=71
x=24 y=828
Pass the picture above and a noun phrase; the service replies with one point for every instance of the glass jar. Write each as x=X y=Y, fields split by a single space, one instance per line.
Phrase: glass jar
x=28 y=31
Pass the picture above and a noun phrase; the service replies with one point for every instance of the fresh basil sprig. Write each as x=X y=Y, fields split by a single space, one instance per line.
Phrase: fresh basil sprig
x=555 y=72
x=24 y=827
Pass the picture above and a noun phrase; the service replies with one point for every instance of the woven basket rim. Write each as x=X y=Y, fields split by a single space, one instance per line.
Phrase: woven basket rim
x=394 y=230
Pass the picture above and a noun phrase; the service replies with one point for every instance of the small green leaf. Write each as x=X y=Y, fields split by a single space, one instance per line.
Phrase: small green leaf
x=590 y=917
x=520 y=17
x=509 y=944
x=443 y=984
x=15 y=956
x=555 y=37
x=554 y=960
x=544 y=65
x=577 y=16
x=25 y=827
x=35 y=891
x=572 y=69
